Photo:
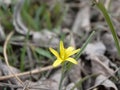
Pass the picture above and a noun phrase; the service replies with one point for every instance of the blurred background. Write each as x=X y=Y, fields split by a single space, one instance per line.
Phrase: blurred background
x=40 y=24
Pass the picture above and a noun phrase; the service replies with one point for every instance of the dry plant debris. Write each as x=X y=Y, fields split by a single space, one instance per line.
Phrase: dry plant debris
x=25 y=59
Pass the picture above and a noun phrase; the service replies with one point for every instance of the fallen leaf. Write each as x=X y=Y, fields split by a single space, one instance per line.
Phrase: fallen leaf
x=45 y=38
x=100 y=64
x=82 y=20
x=107 y=84
x=95 y=48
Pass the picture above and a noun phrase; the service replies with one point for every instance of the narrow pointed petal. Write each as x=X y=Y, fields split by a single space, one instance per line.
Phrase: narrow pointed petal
x=57 y=63
x=54 y=52
x=72 y=52
x=72 y=60
x=69 y=49
x=62 y=50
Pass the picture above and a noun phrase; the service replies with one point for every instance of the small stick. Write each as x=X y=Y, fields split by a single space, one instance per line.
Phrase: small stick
x=35 y=71
x=6 y=58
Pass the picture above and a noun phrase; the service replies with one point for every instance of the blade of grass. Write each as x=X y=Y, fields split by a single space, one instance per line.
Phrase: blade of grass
x=38 y=14
x=47 y=18
x=43 y=52
x=103 y=10
x=69 y=65
x=79 y=83
x=22 y=58
x=84 y=45
x=23 y=53
x=29 y=20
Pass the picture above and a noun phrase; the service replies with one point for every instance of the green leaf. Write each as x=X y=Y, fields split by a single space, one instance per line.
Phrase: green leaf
x=69 y=65
x=29 y=20
x=43 y=52
x=47 y=17
x=103 y=10
x=38 y=14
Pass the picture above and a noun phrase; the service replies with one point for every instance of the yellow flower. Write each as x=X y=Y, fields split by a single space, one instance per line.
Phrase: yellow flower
x=64 y=55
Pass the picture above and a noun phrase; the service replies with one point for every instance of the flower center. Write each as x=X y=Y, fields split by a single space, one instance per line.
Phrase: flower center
x=63 y=56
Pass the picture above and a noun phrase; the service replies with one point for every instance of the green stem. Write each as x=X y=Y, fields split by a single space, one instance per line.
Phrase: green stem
x=102 y=8
x=62 y=76
x=69 y=65
x=84 y=45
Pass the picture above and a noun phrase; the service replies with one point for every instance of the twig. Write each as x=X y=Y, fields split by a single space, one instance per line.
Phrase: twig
x=26 y=85
x=38 y=70
x=6 y=58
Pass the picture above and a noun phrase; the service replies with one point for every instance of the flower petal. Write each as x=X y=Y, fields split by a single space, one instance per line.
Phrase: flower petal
x=57 y=63
x=69 y=49
x=72 y=52
x=72 y=60
x=54 y=52
x=62 y=50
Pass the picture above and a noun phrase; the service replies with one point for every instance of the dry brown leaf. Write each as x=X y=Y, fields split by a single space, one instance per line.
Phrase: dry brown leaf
x=6 y=71
x=95 y=48
x=45 y=38
x=20 y=27
x=82 y=20
x=110 y=45
x=107 y=83
x=75 y=73
x=57 y=76
x=70 y=86
x=100 y=64
x=7 y=2
x=41 y=85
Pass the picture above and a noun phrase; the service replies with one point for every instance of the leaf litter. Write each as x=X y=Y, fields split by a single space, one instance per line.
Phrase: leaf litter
x=100 y=56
